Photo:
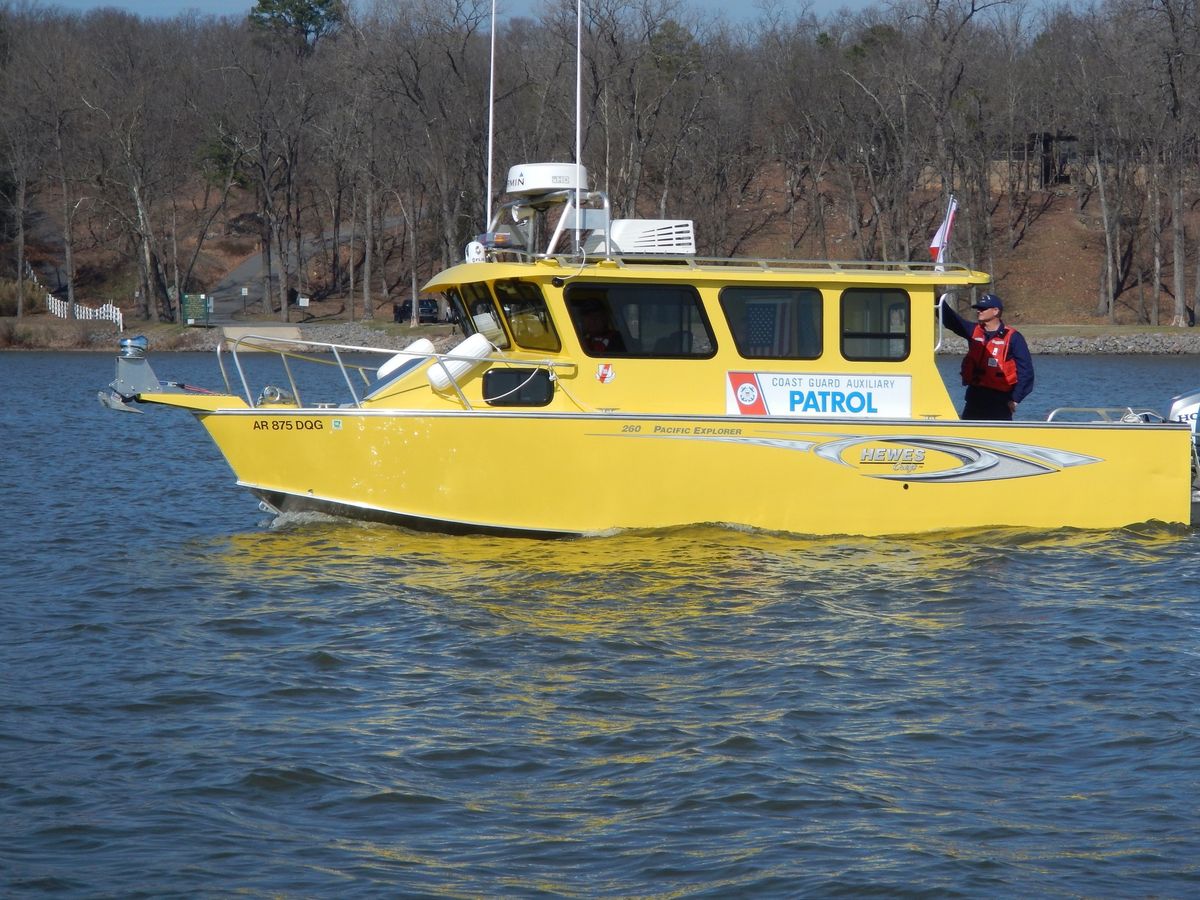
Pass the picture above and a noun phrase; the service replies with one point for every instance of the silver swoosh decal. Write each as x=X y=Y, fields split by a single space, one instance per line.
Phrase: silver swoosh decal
x=981 y=460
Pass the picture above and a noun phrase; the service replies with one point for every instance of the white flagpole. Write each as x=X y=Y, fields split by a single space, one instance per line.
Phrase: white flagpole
x=487 y=222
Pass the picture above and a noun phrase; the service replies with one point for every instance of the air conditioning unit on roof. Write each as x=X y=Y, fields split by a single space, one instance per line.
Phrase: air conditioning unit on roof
x=649 y=236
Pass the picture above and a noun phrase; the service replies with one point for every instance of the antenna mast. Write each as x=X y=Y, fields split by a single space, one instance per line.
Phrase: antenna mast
x=578 y=122
x=487 y=222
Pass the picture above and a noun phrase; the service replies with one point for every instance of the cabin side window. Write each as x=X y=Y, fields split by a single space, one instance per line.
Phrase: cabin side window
x=528 y=318
x=774 y=323
x=645 y=320
x=875 y=324
x=482 y=317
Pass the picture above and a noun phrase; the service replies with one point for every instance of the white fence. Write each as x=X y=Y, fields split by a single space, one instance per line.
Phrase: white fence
x=107 y=312
x=62 y=309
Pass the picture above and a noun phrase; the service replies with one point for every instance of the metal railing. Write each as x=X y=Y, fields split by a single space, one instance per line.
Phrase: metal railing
x=290 y=350
x=1126 y=415
x=833 y=267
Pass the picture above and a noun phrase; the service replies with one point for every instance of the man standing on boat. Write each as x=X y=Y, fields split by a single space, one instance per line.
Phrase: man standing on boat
x=998 y=369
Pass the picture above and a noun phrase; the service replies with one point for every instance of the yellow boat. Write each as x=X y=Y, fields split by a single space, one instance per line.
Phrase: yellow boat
x=610 y=379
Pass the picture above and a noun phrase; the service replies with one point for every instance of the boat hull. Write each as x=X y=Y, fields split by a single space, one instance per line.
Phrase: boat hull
x=545 y=474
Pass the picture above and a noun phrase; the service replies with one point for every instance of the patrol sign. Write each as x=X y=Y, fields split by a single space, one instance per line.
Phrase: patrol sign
x=818 y=395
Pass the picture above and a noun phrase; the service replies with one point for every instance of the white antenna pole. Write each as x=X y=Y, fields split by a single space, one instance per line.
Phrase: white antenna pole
x=487 y=222
x=578 y=121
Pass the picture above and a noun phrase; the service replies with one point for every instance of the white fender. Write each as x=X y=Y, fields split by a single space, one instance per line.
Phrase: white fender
x=419 y=350
x=473 y=349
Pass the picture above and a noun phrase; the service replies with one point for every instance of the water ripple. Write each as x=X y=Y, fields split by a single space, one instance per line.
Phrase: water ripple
x=194 y=702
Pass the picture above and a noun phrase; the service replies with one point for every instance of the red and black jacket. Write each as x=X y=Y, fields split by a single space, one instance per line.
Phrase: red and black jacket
x=989 y=362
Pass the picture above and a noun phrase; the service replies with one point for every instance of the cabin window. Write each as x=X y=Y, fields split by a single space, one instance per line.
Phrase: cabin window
x=528 y=318
x=504 y=386
x=458 y=309
x=648 y=320
x=774 y=323
x=875 y=324
x=481 y=314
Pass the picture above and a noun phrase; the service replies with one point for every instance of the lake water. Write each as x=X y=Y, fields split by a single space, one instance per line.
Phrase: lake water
x=196 y=700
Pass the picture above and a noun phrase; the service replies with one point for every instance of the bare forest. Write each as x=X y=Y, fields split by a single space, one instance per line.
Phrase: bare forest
x=347 y=144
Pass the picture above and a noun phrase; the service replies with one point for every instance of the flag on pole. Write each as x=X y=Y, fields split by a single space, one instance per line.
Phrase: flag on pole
x=941 y=240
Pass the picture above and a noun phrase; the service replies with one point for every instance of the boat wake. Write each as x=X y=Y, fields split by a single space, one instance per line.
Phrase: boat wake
x=283 y=521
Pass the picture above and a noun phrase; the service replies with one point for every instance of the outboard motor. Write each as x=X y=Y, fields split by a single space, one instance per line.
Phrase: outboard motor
x=1186 y=408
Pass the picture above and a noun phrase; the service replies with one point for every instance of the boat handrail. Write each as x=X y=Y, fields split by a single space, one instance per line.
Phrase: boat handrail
x=941 y=326
x=766 y=264
x=301 y=350
x=750 y=264
x=259 y=343
x=1127 y=415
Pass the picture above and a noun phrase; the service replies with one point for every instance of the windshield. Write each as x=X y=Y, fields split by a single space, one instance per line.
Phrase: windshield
x=479 y=314
x=528 y=318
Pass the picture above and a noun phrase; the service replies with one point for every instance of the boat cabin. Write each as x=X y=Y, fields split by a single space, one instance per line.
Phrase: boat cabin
x=590 y=326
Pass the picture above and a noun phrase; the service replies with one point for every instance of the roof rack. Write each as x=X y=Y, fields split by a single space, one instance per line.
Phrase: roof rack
x=856 y=267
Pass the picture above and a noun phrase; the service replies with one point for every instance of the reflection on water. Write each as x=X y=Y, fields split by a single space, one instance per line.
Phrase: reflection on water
x=196 y=695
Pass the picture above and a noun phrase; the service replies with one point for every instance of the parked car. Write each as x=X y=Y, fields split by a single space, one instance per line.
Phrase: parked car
x=427 y=311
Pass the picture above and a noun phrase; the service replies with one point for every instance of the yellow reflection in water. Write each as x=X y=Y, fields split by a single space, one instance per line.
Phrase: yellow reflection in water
x=662 y=578
x=647 y=589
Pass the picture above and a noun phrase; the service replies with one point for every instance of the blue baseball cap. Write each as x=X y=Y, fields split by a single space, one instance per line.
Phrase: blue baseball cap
x=988 y=301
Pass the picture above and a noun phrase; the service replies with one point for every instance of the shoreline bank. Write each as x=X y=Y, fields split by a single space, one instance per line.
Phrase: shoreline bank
x=40 y=333
x=1179 y=342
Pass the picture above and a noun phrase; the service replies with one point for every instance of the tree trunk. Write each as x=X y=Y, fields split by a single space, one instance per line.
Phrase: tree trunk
x=150 y=282
x=267 y=262
x=412 y=260
x=350 y=267
x=1179 y=258
x=68 y=228
x=1156 y=243
x=176 y=281
x=1104 y=302
x=369 y=229
x=301 y=262
x=335 y=261
x=21 y=184
x=279 y=226
x=156 y=281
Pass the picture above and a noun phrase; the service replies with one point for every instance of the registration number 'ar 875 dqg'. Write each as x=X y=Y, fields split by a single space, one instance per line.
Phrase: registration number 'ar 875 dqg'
x=288 y=425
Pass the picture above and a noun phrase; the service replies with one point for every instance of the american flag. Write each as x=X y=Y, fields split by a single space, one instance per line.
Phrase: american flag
x=769 y=328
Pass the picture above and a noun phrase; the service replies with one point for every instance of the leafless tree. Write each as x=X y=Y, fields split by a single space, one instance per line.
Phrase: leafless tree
x=833 y=136
x=24 y=143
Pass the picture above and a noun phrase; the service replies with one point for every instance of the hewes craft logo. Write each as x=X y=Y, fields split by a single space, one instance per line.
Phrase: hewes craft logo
x=818 y=395
x=891 y=458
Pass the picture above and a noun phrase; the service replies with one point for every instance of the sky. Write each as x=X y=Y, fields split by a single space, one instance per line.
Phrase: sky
x=158 y=8
x=733 y=11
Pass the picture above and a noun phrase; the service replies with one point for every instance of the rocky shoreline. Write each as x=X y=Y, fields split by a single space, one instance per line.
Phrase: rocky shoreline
x=1186 y=341
x=59 y=335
